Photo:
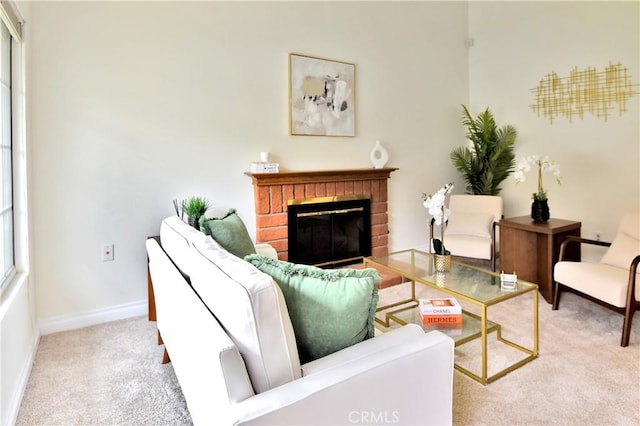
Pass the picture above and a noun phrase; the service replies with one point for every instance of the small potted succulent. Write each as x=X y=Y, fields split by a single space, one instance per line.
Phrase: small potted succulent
x=195 y=208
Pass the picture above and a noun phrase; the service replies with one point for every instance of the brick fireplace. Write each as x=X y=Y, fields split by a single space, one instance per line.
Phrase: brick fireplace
x=273 y=191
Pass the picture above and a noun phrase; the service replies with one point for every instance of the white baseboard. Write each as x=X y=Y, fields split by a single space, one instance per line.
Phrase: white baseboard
x=99 y=316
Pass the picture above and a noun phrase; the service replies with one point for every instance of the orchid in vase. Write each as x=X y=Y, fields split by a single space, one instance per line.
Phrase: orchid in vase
x=540 y=206
x=440 y=214
x=543 y=164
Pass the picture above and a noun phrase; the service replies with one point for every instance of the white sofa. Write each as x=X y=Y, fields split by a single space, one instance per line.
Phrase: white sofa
x=233 y=349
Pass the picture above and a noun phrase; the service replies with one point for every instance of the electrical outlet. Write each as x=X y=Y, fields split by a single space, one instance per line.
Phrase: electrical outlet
x=107 y=252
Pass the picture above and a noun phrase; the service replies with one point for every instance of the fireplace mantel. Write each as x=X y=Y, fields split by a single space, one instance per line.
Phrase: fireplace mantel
x=272 y=191
x=314 y=176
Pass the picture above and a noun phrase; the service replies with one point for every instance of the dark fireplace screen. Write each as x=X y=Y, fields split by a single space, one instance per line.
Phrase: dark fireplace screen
x=335 y=232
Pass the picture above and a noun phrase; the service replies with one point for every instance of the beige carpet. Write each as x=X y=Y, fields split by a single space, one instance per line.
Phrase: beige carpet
x=111 y=374
x=581 y=377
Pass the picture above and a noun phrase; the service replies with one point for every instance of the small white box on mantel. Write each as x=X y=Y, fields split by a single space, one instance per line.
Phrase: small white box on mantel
x=262 y=167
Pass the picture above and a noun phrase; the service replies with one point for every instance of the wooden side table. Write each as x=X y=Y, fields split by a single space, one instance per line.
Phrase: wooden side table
x=531 y=249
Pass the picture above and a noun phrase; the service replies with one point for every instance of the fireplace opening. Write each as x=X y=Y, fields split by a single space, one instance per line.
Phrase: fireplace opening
x=330 y=231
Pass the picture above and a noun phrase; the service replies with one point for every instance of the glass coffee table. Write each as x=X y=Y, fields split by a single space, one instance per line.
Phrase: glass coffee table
x=480 y=288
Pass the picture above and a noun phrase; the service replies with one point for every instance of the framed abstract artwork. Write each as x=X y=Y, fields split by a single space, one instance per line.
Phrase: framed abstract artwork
x=321 y=97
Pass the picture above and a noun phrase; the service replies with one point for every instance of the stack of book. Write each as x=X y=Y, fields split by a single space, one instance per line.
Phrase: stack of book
x=264 y=167
x=444 y=311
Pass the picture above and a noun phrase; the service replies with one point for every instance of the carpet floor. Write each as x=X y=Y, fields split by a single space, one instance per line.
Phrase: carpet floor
x=582 y=375
x=110 y=374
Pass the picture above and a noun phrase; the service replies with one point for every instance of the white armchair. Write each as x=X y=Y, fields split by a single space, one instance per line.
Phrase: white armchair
x=472 y=226
x=612 y=281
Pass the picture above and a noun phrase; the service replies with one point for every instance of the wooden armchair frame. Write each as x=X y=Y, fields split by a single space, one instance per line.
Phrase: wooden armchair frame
x=631 y=303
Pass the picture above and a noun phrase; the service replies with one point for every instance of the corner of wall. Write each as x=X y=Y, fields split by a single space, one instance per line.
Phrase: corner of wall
x=19 y=339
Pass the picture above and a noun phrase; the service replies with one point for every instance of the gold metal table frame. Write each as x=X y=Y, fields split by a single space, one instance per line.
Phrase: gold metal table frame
x=464 y=282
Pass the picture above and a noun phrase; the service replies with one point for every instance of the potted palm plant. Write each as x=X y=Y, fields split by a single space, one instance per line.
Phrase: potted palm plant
x=490 y=158
x=195 y=208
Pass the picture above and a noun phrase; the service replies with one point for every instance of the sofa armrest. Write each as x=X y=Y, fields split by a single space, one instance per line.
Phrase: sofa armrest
x=266 y=249
x=408 y=382
x=367 y=348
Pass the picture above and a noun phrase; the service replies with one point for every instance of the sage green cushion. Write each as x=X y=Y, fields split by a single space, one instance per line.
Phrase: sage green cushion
x=229 y=231
x=330 y=309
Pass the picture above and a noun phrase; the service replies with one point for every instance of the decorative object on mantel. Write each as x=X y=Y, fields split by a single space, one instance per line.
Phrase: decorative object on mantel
x=264 y=167
x=321 y=97
x=540 y=206
x=194 y=207
x=440 y=214
x=489 y=159
x=379 y=156
x=588 y=90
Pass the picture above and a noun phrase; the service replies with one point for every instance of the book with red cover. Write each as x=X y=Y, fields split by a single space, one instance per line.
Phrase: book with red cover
x=441 y=319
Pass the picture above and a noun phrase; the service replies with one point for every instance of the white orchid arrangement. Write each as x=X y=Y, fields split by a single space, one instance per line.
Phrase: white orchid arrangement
x=440 y=213
x=544 y=164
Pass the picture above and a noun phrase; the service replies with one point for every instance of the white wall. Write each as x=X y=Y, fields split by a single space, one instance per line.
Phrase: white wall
x=516 y=45
x=19 y=339
x=135 y=104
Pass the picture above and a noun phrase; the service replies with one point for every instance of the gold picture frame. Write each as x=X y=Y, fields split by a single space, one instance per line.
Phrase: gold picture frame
x=321 y=97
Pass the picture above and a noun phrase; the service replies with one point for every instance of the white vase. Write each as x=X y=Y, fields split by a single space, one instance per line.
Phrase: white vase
x=379 y=156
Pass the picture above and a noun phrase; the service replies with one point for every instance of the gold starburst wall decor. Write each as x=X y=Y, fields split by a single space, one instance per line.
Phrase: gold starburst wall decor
x=584 y=91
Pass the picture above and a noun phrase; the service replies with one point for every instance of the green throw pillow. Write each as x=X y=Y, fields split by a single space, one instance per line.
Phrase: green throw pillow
x=229 y=231
x=330 y=309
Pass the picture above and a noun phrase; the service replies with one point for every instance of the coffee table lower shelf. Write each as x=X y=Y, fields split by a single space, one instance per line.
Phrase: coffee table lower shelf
x=471 y=329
